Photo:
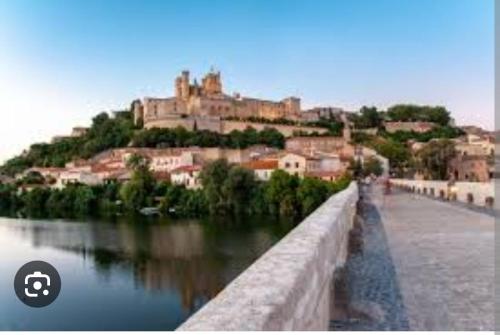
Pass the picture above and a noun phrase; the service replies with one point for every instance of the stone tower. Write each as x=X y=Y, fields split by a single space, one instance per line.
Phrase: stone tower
x=182 y=86
x=138 y=111
x=211 y=83
x=292 y=107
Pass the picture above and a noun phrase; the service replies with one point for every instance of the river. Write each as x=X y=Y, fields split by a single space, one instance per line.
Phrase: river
x=130 y=274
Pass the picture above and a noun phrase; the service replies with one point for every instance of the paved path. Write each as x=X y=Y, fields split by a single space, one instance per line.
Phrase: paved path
x=426 y=265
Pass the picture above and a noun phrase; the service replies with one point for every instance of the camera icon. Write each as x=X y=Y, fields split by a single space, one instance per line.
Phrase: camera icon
x=37 y=284
x=36 y=281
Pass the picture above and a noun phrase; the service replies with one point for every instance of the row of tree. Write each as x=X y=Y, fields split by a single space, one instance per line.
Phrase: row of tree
x=180 y=137
x=226 y=189
x=370 y=117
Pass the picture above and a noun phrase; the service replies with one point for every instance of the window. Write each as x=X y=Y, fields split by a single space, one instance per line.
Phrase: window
x=287 y=165
x=297 y=165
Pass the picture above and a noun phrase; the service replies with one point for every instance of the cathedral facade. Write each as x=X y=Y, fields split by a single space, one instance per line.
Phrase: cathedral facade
x=205 y=106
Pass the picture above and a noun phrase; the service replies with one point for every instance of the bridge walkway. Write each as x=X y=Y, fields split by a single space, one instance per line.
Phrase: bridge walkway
x=425 y=265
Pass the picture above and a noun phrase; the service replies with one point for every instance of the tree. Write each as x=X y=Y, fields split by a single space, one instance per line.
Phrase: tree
x=137 y=192
x=433 y=159
x=368 y=117
x=410 y=112
x=33 y=178
x=85 y=200
x=239 y=188
x=281 y=193
x=372 y=166
x=311 y=193
x=35 y=200
x=212 y=178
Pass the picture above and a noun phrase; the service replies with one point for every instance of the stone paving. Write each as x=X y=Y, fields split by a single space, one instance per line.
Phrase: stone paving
x=426 y=265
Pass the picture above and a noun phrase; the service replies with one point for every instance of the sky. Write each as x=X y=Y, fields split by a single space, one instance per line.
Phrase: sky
x=62 y=62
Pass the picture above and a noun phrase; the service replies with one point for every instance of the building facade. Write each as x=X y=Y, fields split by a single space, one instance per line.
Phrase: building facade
x=202 y=106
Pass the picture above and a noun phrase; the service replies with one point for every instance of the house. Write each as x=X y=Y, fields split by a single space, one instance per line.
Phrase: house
x=116 y=176
x=165 y=161
x=298 y=163
x=77 y=177
x=311 y=144
x=187 y=176
x=79 y=131
x=262 y=168
x=470 y=168
x=475 y=145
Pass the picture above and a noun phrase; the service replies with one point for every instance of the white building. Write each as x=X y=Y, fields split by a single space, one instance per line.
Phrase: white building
x=188 y=176
x=262 y=168
x=161 y=162
x=297 y=163
x=77 y=177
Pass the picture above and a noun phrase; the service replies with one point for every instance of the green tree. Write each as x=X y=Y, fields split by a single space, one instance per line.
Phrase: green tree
x=410 y=112
x=239 y=188
x=33 y=178
x=35 y=200
x=281 y=193
x=85 y=200
x=372 y=166
x=433 y=159
x=138 y=192
x=311 y=193
x=213 y=177
x=368 y=117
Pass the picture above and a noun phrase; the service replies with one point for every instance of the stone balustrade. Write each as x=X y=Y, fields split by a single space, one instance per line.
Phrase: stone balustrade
x=481 y=194
x=290 y=287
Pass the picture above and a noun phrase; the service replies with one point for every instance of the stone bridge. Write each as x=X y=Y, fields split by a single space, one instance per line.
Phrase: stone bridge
x=419 y=264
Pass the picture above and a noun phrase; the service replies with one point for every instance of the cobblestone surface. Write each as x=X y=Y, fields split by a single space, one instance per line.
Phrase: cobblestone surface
x=375 y=297
x=444 y=259
x=426 y=265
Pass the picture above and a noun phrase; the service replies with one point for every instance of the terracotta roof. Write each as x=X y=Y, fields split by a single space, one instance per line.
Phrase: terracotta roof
x=324 y=173
x=298 y=153
x=46 y=169
x=97 y=168
x=261 y=165
x=162 y=176
x=186 y=168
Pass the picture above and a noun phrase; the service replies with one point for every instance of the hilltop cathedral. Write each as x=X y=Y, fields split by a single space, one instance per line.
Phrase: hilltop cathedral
x=206 y=105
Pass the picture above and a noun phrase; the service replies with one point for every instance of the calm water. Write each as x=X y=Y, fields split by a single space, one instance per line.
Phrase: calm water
x=126 y=275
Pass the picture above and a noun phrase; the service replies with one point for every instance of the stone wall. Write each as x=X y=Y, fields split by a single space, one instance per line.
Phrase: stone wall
x=223 y=126
x=290 y=286
x=467 y=192
x=286 y=130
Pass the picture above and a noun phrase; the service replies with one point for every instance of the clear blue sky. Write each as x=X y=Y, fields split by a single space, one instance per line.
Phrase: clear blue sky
x=61 y=62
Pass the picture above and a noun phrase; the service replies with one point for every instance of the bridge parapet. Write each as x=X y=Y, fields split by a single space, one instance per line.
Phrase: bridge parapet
x=290 y=286
x=481 y=194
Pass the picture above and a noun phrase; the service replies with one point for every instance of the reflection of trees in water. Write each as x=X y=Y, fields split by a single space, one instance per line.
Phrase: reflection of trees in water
x=194 y=260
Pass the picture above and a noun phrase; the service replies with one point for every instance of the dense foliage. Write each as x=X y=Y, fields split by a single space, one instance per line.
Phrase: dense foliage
x=436 y=114
x=368 y=117
x=227 y=189
x=180 y=137
x=397 y=153
x=106 y=132
x=433 y=159
x=438 y=132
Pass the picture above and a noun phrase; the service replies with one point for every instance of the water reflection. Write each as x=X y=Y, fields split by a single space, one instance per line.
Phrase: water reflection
x=193 y=258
